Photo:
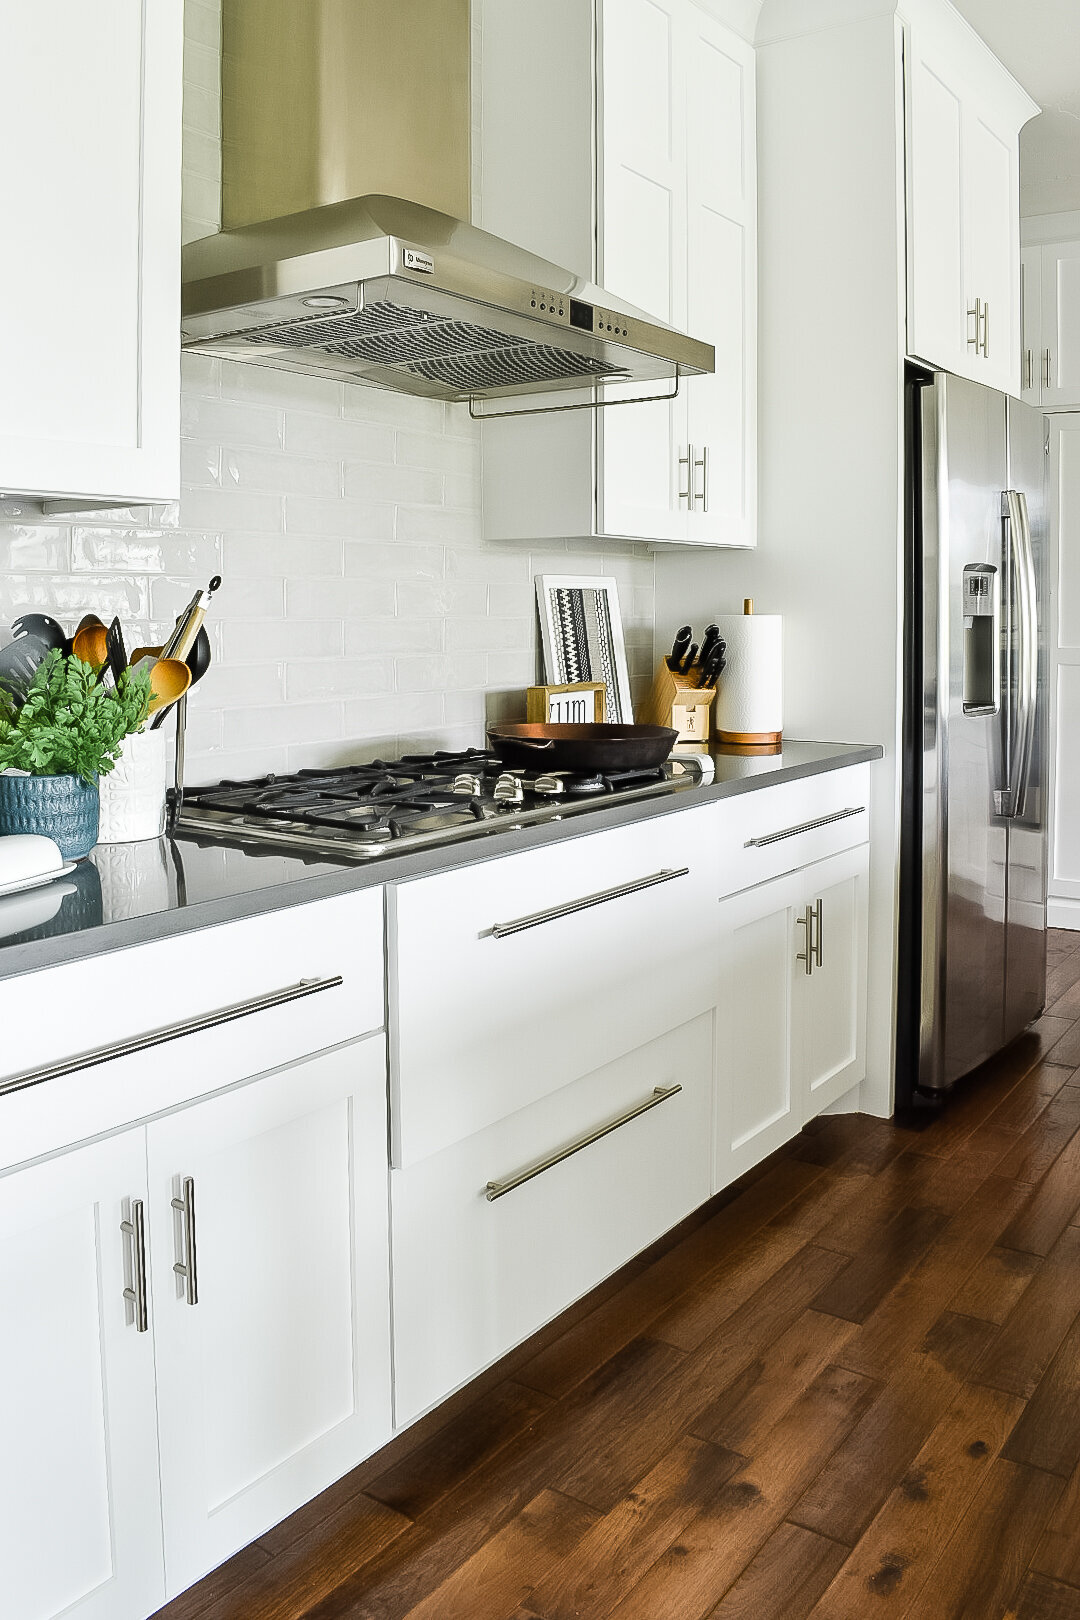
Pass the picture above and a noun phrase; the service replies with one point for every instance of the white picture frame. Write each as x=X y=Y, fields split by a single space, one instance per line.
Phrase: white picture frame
x=582 y=637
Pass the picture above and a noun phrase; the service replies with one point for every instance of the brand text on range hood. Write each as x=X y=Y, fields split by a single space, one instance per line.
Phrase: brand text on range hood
x=313 y=275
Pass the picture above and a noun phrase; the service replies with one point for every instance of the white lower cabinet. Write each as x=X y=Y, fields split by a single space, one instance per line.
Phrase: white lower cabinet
x=792 y=1005
x=274 y=1379
x=583 y=1180
x=80 y=1526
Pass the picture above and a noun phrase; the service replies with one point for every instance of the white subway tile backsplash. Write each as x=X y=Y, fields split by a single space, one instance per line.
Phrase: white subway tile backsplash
x=397 y=562
x=338 y=677
x=393 y=636
x=439 y=452
x=337 y=598
x=262 y=728
x=232 y=510
x=441 y=672
x=329 y=436
x=222 y=421
x=245 y=641
x=487 y=634
x=41 y=549
x=373 y=481
x=357 y=520
x=444 y=599
x=253 y=556
x=100 y=549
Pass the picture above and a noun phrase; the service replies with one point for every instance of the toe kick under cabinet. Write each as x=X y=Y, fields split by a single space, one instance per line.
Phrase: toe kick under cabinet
x=196 y=1304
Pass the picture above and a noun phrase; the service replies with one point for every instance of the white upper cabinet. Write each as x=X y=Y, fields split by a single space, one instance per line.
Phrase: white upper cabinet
x=1058 y=362
x=965 y=113
x=1032 y=355
x=90 y=123
x=673 y=214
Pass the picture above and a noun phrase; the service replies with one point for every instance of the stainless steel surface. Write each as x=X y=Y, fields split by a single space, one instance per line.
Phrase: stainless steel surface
x=135 y=1230
x=1046 y=368
x=499 y=1189
x=687 y=461
x=806 y=955
x=981 y=763
x=986 y=330
x=815 y=932
x=804 y=826
x=187 y=1267
x=325 y=99
x=973 y=342
x=594 y=404
x=170 y=1032
x=536 y=918
x=702 y=494
x=1029 y=368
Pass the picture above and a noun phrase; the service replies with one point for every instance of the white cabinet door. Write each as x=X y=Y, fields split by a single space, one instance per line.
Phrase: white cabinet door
x=721 y=304
x=759 y=1107
x=830 y=1003
x=1060 y=348
x=992 y=245
x=276 y=1381
x=90 y=126
x=80 y=1528
x=642 y=252
x=1032 y=343
x=939 y=329
x=791 y=1013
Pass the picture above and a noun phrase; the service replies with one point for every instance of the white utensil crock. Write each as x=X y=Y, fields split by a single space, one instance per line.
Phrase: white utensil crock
x=133 y=793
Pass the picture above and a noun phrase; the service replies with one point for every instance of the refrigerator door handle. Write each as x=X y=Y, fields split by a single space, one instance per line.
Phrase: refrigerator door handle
x=1014 y=511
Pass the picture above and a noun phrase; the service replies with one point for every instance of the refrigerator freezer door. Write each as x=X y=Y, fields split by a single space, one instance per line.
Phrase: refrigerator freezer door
x=964 y=756
x=1025 y=948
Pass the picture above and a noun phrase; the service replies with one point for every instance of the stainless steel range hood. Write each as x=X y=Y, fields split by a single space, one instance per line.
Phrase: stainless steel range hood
x=378 y=289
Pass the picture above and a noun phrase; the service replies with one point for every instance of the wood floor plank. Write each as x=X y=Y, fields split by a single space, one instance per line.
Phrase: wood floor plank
x=904 y=1315
x=1050 y=1206
x=996 y=1284
x=895 y=1555
x=877 y=1269
x=598 y=1336
x=1029 y=1100
x=785 y=1578
x=977 y=1095
x=413 y=1484
x=1035 y=1151
x=1047 y=1435
x=719 y=1543
x=1022 y=1349
x=621 y=1545
x=1042 y=1599
x=829 y=1196
x=501 y=1573
x=237 y=1575
x=743 y=1413
x=1058 y=1553
x=1066 y=1049
x=982 y=1565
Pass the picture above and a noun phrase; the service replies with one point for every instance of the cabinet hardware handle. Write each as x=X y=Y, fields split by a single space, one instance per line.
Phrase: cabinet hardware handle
x=986 y=330
x=1029 y=368
x=976 y=313
x=805 y=826
x=170 y=1032
x=702 y=461
x=815 y=934
x=806 y=955
x=188 y=1267
x=668 y=875
x=499 y=1189
x=135 y=1230
x=1046 y=368
x=687 y=494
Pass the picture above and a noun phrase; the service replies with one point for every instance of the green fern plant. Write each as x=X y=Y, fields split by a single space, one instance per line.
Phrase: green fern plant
x=69 y=724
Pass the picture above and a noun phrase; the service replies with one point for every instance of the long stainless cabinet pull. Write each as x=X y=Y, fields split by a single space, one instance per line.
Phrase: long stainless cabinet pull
x=171 y=1032
x=986 y=330
x=976 y=342
x=806 y=955
x=702 y=461
x=499 y=1189
x=815 y=933
x=805 y=826
x=135 y=1229
x=188 y=1267
x=668 y=875
x=688 y=462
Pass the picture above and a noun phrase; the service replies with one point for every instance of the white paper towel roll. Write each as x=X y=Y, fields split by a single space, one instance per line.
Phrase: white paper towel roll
x=749 y=699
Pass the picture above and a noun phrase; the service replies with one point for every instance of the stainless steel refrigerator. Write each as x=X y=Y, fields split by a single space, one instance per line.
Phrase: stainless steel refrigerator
x=973 y=851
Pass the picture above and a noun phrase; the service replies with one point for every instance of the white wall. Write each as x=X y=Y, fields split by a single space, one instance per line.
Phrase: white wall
x=362 y=612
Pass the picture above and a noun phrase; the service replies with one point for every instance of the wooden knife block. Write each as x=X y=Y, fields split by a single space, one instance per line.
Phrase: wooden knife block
x=676 y=701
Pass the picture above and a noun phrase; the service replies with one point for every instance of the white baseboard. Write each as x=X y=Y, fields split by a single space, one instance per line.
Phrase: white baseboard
x=1062 y=913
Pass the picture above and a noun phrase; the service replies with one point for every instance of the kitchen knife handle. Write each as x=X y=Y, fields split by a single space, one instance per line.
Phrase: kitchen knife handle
x=135 y=1231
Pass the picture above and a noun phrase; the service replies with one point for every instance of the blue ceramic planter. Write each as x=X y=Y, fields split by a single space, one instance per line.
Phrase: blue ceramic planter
x=63 y=808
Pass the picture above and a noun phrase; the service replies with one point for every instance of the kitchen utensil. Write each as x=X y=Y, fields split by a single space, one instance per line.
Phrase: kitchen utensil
x=683 y=638
x=90 y=644
x=708 y=641
x=716 y=663
x=581 y=748
x=18 y=661
x=169 y=680
x=115 y=650
x=42 y=628
x=188 y=625
x=197 y=661
x=688 y=661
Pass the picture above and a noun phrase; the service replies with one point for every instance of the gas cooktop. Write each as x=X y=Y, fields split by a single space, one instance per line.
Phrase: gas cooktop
x=359 y=812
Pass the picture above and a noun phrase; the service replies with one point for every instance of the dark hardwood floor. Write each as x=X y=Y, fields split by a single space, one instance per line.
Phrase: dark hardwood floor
x=849 y=1387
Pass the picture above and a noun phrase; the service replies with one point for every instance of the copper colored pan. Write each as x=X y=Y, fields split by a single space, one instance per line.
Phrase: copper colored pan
x=533 y=746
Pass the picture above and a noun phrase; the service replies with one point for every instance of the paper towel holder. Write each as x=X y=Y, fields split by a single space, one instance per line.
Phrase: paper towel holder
x=748 y=742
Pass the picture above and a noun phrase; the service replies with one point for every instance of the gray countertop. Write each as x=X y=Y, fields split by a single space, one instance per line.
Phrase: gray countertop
x=127 y=894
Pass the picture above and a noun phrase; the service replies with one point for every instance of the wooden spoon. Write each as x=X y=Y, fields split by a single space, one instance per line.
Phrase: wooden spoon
x=90 y=644
x=169 y=680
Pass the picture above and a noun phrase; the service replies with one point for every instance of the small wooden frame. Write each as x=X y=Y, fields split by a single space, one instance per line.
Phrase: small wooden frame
x=581 y=703
x=676 y=701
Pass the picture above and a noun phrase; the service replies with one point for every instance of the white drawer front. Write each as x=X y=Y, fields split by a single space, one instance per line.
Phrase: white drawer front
x=778 y=829
x=79 y=1013
x=474 y=1276
x=615 y=949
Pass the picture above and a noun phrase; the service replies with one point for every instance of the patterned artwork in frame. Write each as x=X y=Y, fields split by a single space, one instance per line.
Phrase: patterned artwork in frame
x=582 y=634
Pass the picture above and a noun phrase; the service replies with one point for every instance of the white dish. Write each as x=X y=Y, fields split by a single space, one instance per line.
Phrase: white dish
x=36 y=882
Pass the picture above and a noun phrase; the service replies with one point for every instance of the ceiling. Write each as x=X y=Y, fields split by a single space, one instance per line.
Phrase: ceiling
x=1039 y=41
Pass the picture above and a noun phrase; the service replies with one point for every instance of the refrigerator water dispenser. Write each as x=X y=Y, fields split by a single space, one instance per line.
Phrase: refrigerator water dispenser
x=982 y=629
